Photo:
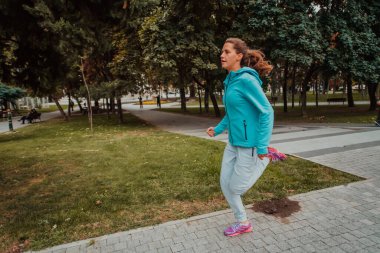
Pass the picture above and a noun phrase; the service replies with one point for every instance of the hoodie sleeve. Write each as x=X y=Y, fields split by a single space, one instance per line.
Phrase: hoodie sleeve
x=222 y=125
x=255 y=96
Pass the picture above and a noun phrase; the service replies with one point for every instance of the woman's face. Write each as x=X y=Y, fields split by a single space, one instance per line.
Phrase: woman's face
x=229 y=58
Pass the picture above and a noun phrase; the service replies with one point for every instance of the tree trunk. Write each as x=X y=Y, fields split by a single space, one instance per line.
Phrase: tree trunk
x=69 y=105
x=293 y=84
x=344 y=87
x=89 y=113
x=206 y=97
x=200 y=86
x=326 y=85
x=305 y=82
x=316 y=91
x=89 y=107
x=60 y=109
x=199 y=99
x=183 y=98
x=15 y=107
x=112 y=104
x=96 y=106
x=107 y=108
x=350 y=98
x=182 y=90
x=6 y=105
x=192 y=90
x=119 y=110
x=80 y=106
x=211 y=84
x=285 y=87
x=372 y=87
x=334 y=87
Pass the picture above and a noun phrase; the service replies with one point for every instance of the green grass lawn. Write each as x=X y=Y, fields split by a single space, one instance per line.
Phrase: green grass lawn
x=327 y=114
x=322 y=97
x=52 y=108
x=60 y=183
x=320 y=114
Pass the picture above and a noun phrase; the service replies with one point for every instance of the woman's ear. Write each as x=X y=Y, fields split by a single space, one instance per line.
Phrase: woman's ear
x=239 y=56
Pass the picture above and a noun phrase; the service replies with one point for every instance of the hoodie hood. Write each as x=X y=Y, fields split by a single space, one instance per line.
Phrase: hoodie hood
x=234 y=74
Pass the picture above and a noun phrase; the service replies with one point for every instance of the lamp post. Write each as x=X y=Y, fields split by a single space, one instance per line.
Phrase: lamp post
x=10 y=120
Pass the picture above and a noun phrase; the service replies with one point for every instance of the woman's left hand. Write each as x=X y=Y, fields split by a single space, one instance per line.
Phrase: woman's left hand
x=262 y=156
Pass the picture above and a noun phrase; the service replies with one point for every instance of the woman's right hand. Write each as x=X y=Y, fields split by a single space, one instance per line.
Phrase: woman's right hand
x=210 y=131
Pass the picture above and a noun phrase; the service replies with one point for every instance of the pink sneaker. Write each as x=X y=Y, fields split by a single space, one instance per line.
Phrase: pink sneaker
x=237 y=229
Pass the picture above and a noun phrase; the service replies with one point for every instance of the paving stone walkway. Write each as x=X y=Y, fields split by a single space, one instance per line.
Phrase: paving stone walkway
x=4 y=125
x=345 y=218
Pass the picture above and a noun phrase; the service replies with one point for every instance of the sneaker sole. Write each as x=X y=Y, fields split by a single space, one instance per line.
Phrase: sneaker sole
x=239 y=233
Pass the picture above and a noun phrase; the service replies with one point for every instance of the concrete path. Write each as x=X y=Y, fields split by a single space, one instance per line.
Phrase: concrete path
x=345 y=218
x=4 y=125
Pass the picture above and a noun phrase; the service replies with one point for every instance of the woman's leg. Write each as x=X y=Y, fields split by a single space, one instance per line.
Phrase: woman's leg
x=228 y=164
x=247 y=170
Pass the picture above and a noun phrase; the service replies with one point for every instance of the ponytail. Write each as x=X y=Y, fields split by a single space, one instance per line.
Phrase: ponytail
x=251 y=58
x=255 y=59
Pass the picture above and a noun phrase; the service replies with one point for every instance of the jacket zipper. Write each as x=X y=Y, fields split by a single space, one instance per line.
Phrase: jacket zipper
x=245 y=129
x=225 y=106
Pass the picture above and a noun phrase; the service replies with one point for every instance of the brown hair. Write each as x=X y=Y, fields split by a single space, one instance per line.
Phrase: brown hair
x=251 y=58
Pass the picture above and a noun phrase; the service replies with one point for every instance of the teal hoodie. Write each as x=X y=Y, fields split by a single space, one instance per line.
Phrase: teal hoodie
x=249 y=115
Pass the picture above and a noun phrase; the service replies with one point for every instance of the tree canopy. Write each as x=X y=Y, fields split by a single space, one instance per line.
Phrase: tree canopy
x=9 y=95
x=128 y=45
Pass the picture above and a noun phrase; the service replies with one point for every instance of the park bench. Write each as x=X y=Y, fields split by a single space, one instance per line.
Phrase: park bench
x=36 y=116
x=336 y=100
x=31 y=117
x=95 y=110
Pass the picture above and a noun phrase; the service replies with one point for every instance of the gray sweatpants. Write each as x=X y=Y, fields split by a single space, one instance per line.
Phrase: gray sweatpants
x=241 y=168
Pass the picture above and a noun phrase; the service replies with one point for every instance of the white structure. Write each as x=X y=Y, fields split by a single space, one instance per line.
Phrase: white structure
x=32 y=102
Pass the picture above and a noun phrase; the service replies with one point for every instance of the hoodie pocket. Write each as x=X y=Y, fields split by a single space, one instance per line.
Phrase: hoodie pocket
x=245 y=130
